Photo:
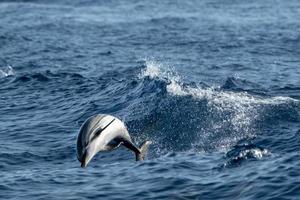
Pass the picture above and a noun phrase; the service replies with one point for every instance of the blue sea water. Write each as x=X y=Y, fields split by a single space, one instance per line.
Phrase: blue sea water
x=215 y=85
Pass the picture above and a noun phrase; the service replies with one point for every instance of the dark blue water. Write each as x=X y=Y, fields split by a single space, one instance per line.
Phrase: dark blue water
x=214 y=84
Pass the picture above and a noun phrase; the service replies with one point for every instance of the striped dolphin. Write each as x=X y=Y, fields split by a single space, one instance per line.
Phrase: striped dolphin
x=105 y=133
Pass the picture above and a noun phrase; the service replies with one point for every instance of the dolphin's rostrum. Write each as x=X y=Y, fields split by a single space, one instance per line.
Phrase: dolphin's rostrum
x=104 y=133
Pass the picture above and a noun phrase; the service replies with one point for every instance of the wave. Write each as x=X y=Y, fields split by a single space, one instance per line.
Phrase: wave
x=176 y=87
x=47 y=76
x=157 y=104
x=196 y=117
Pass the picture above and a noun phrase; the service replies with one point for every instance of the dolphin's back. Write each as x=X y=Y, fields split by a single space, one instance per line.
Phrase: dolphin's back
x=86 y=131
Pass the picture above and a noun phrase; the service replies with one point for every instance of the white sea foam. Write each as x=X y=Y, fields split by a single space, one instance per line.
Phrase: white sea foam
x=249 y=154
x=255 y=153
x=9 y=71
x=225 y=99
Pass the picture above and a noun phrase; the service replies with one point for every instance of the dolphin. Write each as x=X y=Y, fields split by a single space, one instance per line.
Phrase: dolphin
x=105 y=133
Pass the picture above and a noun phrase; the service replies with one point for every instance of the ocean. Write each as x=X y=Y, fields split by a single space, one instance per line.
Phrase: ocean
x=215 y=85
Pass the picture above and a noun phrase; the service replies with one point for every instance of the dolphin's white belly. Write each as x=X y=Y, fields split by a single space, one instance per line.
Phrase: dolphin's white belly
x=112 y=133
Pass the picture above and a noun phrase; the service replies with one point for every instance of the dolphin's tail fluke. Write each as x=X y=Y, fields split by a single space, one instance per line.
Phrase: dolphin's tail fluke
x=143 y=150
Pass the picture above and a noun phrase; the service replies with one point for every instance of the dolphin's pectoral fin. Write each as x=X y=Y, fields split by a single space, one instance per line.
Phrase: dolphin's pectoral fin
x=113 y=145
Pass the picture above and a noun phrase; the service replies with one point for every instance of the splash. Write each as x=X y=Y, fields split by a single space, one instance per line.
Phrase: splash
x=242 y=153
x=9 y=71
x=152 y=70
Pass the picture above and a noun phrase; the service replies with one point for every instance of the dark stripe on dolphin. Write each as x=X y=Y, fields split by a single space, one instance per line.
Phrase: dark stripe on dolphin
x=101 y=130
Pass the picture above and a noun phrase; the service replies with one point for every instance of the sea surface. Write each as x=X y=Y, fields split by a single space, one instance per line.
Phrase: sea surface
x=214 y=84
